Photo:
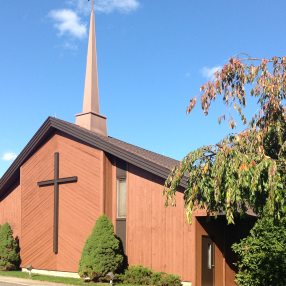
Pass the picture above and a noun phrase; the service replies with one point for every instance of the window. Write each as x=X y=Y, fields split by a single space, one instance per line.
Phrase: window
x=121 y=198
x=209 y=256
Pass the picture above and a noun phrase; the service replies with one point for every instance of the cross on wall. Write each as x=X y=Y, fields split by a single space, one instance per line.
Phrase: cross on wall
x=56 y=182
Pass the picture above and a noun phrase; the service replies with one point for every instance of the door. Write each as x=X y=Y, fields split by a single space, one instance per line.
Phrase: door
x=207 y=261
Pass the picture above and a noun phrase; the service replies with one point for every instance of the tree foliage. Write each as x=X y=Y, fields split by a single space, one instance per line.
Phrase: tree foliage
x=101 y=252
x=246 y=169
x=262 y=255
x=9 y=252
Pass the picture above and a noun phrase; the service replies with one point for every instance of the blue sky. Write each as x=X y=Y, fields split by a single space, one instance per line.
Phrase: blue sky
x=153 y=57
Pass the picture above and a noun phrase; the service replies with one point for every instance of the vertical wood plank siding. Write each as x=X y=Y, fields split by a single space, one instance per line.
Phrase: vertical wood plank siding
x=213 y=229
x=157 y=237
x=80 y=203
x=10 y=209
x=108 y=191
x=114 y=194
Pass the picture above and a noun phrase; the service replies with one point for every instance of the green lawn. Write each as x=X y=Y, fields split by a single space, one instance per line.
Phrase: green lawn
x=71 y=281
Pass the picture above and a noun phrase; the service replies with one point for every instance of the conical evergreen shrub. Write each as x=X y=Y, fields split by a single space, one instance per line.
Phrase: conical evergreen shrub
x=101 y=252
x=9 y=255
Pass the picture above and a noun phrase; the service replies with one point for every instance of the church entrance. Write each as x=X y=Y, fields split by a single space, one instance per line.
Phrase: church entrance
x=207 y=261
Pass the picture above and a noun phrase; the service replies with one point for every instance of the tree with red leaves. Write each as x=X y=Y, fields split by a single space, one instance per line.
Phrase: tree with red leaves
x=246 y=169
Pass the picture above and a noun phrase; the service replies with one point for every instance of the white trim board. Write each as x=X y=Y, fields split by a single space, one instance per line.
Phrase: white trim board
x=53 y=273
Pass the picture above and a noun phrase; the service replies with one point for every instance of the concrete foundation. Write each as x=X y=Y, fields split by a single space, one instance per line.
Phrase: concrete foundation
x=53 y=273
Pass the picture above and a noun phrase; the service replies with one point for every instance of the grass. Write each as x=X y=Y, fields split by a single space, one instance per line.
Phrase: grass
x=54 y=279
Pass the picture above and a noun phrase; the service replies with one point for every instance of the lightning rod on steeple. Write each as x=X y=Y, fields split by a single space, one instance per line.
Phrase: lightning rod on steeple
x=91 y=5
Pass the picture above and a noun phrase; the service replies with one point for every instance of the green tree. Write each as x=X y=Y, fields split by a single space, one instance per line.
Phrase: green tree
x=9 y=254
x=246 y=169
x=262 y=255
x=101 y=252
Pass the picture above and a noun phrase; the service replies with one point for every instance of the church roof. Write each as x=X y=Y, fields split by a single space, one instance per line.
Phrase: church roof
x=150 y=161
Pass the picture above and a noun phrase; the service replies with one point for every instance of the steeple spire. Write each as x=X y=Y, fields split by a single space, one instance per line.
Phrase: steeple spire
x=90 y=118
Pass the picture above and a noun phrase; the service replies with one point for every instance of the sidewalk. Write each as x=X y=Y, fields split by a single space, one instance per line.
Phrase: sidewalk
x=23 y=281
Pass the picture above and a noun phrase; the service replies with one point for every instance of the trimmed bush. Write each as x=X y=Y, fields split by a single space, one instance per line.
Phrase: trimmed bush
x=9 y=254
x=164 y=279
x=139 y=275
x=101 y=252
x=262 y=255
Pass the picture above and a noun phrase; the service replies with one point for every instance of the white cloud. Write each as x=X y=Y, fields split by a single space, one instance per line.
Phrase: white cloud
x=67 y=21
x=209 y=72
x=70 y=46
x=108 y=6
x=188 y=74
x=8 y=156
x=82 y=6
x=105 y=6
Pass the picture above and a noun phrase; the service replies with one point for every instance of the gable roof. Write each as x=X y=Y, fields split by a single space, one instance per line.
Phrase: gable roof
x=150 y=161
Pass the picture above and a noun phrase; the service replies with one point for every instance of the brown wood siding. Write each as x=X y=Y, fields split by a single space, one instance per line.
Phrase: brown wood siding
x=80 y=204
x=224 y=235
x=114 y=193
x=108 y=191
x=10 y=209
x=157 y=237
x=214 y=229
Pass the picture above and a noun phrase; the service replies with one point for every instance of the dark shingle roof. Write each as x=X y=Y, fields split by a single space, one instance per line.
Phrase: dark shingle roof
x=153 y=157
x=155 y=163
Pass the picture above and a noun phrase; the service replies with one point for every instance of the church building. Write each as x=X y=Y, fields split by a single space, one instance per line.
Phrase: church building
x=70 y=174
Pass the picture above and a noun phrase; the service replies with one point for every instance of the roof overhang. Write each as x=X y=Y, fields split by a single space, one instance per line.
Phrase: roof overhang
x=50 y=126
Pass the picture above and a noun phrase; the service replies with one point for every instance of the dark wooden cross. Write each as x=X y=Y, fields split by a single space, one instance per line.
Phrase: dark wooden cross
x=56 y=181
